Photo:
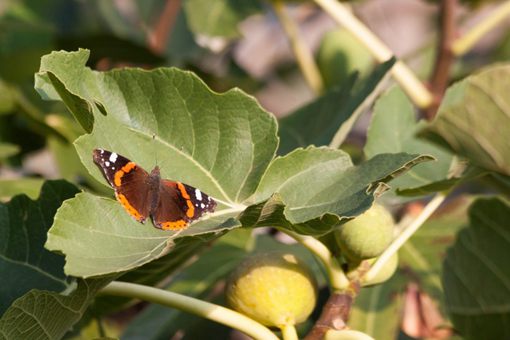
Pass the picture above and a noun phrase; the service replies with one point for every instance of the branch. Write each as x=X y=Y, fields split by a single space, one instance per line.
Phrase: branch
x=335 y=314
x=468 y=40
x=302 y=53
x=198 y=307
x=444 y=58
x=158 y=36
x=414 y=88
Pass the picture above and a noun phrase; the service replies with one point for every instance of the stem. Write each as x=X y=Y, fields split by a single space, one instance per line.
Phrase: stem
x=402 y=74
x=338 y=279
x=405 y=235
x=335 y=314
x=303 y=54
x=468 y=40
x=445 y=57
x=198 y=307
x=289 y=332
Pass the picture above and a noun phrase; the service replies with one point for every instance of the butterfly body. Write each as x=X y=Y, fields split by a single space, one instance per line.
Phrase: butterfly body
x=172 y=205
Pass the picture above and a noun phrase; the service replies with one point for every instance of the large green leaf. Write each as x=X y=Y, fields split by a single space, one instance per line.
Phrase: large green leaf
x=474 y=119
x=476 y=274
x=219 y=17
x=219 y=143
x=332 y=115
x=393 y=129
x=98 y=237
x=311 y=190
x=47 y=315
x=24 y=263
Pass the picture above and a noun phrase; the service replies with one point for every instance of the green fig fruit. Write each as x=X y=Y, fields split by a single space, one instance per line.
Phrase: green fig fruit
x=387 y=271
x=367 y=235
x=274 y=288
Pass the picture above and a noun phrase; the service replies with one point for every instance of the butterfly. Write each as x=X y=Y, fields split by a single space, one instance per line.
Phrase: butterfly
x=172 y=205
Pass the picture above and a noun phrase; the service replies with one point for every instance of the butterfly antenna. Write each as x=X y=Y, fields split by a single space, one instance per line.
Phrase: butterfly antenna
x=155 y=148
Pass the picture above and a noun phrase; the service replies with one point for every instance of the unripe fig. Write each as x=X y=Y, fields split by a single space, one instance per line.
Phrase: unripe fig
x=367 y=235
x=346 y=334
x=384 y=274
x=274 y=288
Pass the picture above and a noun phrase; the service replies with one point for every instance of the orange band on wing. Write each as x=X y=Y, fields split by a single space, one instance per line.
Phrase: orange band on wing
x=174 y=225
x=191 y=209
x=117 y=179
x=129 y=208
x=183 y=191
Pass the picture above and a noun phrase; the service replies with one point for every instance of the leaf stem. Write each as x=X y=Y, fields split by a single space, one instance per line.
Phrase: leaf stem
x=405 y=235
x=414 y=88
x=463 y=44
x=338 y=280
x=188 y=304
x=302 y=53
x=289 y=332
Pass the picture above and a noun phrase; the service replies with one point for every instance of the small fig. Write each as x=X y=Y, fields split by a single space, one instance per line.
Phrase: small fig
x=384 y=274
x=274 y=288
x=367 y=235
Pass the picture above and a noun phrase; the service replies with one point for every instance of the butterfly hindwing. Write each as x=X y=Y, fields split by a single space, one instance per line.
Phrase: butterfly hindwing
x=172 y=211
x=129 y=181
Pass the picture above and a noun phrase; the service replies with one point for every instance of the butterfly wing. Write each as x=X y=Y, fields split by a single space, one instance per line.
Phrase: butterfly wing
x=131 y=182
x=179 y=204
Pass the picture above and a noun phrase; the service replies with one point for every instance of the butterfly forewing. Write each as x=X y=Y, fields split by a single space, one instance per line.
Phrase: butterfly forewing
x=129 y=181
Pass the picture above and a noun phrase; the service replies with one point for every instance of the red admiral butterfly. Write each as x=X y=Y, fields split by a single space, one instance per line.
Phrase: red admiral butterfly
x=171 y=205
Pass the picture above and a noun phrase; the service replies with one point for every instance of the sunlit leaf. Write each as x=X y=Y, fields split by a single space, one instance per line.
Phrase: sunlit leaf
x=474 y=119
x=311 y=190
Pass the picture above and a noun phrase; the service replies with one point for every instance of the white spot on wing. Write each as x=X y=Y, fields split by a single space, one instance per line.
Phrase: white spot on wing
x=107 y=163
x=113 y=157
x=102 y=151
x=198 y=194
x=202 y=205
